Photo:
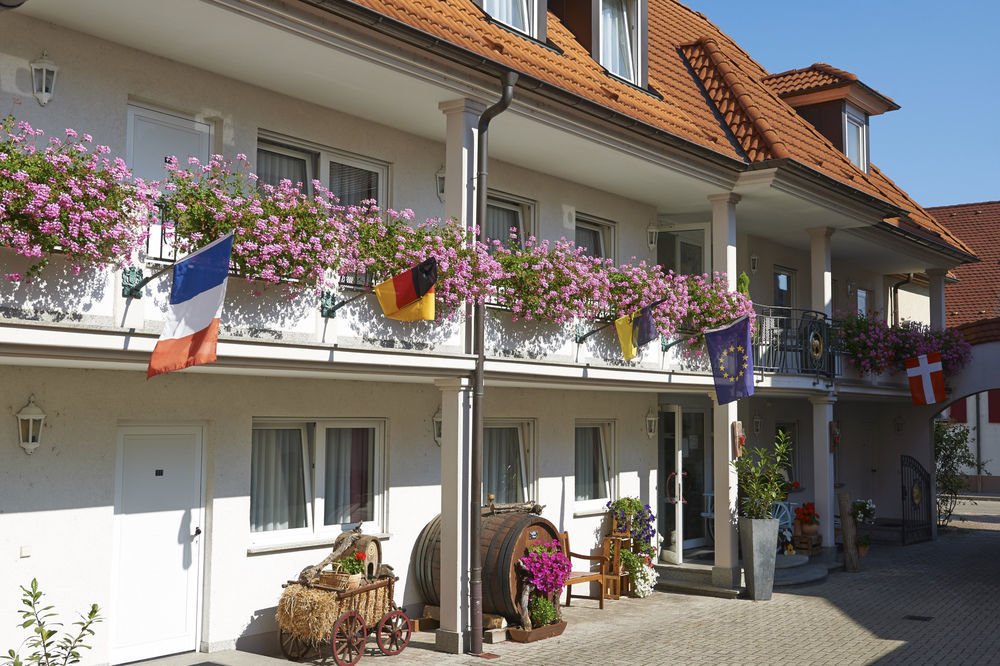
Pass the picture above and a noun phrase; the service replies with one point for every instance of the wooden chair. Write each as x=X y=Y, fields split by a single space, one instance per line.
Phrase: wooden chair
x=588 y=576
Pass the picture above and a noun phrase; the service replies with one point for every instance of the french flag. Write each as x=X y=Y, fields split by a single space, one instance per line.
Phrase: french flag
x=191 y=331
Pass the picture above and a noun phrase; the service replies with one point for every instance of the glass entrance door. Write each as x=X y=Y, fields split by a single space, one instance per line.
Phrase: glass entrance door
x=685 y=482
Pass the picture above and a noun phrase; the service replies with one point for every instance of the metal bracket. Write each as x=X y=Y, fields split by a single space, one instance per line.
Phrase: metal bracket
x=131 y=281
x=328 y=304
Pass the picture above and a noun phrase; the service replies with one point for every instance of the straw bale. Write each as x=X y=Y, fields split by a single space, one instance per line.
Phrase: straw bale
x=309 y=614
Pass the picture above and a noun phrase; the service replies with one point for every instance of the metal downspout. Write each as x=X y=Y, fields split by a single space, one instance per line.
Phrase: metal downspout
x=895 y=297
x=479 y=348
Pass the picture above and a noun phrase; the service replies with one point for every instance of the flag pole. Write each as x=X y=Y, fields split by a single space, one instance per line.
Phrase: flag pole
x=581 y=337
x=135 y=291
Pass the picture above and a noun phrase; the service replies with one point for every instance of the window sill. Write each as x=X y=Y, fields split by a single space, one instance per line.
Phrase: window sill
x=302 y=544
x=589 y=513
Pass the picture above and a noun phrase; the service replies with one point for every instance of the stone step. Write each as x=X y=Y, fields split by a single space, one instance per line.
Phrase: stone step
x=809 y=573
x=688 y=572
x=790 y=561
x=698 y=589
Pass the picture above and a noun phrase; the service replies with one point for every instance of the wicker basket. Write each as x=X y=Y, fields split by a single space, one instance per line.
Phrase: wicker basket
x=335 y=579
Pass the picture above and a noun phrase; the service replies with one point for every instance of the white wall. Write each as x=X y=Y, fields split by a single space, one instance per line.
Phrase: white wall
x=59 y=501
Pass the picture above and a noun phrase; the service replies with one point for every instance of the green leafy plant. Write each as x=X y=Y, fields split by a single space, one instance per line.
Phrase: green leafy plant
x=639 y=517
x=46 y=649
x=542 y=611
x=952 y=455
x=761 y=481
x=353 y=564
x=863 y=539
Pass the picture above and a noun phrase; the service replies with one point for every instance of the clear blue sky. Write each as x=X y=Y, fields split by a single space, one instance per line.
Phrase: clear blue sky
x=940 y=61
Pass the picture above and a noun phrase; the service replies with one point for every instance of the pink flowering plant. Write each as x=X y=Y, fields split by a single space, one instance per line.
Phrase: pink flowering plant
x=280 y=233
x=873 y=347
x=69 y=198
x=710 y=305
x=377 y=245
x=632 y=286
x=548 y=568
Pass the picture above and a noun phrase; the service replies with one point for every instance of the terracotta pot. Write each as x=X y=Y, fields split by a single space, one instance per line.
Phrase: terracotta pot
x=536 y=634
x=809 y=529
x=863 y=551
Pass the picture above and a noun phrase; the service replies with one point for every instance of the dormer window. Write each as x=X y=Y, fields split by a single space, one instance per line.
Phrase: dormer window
x=524 y=16
x=618 y=38
x=856 y=137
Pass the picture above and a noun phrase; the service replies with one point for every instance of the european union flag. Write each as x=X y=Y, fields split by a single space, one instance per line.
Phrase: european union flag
x=732 y=360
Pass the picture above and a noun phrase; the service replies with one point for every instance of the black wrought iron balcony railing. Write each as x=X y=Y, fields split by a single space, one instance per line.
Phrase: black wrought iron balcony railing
x=794 y=341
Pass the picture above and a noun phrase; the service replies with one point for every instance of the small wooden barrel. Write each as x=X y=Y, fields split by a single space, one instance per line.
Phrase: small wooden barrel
x=503 y=541
x=372 y=548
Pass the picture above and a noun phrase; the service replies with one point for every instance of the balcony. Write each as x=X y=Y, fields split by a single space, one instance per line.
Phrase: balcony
x=794 y=342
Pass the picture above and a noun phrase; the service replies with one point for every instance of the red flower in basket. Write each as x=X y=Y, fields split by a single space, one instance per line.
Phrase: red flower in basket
x=806 y=514
x=359 y=556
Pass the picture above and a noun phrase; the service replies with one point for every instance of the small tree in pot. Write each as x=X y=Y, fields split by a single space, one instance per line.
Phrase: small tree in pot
x=761 y=484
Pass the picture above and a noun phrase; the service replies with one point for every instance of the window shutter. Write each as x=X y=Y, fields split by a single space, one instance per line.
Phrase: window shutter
x=957 y=411
x=994 y=402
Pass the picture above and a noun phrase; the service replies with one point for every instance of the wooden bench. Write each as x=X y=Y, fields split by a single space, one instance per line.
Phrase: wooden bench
x=588 y=576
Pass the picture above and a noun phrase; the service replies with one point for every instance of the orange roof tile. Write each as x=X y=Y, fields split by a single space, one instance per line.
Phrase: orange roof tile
x=977 y=294
x=814 y=77
x=704 y=77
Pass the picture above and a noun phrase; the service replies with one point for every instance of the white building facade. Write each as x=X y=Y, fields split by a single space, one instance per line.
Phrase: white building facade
x=206 y=489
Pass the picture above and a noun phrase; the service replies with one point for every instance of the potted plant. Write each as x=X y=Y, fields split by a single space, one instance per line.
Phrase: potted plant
x=348 y=572
x=808 y=518
x=761 y=484
x=544 y=572
x=640 y=570
x=864 y=542
x=631 y=518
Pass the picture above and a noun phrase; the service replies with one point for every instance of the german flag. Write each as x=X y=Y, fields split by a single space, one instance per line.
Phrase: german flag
x=635 y=330
x=409 y=296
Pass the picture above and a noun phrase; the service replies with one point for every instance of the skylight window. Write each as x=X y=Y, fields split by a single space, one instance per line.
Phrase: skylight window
x=619 y=54
x=856 y=137
x=515 y=13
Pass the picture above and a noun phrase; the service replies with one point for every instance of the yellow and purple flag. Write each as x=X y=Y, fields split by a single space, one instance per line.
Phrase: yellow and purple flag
x=635 y=330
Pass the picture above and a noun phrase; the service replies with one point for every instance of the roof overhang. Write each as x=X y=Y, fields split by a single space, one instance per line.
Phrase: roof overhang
x=853 y=92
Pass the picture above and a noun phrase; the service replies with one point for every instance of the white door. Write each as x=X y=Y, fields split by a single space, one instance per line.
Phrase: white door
x=152 y=137
x=158 y=555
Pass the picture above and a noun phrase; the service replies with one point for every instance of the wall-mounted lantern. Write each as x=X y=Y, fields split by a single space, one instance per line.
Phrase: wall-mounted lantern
x=43 y=78
x=29 y=426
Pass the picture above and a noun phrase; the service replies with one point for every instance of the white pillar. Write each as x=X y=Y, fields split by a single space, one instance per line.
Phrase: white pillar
x=936 y=276
x=822 y=414
x=456 y=421
x=820 y=276
x=724 y=235
x=460 y=158
x=726 y=572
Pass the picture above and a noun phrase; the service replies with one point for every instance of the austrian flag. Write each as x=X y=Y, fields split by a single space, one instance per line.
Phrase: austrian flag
x=191 y=331
x=926 y=375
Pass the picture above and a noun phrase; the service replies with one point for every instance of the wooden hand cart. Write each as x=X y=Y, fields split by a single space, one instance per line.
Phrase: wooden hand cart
x=317 y=617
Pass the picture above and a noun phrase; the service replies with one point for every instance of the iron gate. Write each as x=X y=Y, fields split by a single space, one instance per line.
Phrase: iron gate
x=916 y=498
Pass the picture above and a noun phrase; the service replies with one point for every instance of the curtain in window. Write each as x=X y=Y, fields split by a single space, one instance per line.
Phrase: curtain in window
x=499 y=222
x=350 y=454
x=277 y=486
x=273 y=167
x=591 y=477
x=352 y=185
x=616 y=38
x=502 y=464
x=512 y=12
x=590 y=240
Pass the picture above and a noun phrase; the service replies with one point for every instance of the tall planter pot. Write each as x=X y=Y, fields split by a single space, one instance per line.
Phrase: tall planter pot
x=759 y=542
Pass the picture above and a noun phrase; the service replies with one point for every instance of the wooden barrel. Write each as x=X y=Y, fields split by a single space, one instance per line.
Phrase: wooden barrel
x=503 y=541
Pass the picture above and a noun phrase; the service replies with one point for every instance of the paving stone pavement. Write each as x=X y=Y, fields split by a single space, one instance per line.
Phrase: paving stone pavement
x=951 y=586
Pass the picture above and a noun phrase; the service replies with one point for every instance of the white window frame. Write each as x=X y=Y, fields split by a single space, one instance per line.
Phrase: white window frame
x=374 y=526
x=706 y=249
x=308 y=156
x=631 y=8
x=535 y=16
x=792 y=281
x=323 y=155
x=314 y=464
x=856 y=118
x=525 y=209
x=606 y=230
x=868 y=297
x=525 y=435
x=608 y=453
x=297 y=534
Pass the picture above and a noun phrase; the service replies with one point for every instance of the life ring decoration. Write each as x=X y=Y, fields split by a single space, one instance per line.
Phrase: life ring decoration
x=916 y=493
x=816 y=345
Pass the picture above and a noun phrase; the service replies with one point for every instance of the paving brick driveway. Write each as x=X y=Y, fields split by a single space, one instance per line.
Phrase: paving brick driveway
x=952 y=587
x=848 y=619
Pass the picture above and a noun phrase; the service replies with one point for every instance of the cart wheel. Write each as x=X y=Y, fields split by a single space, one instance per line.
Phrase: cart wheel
x=293 y=647
x=393 y=632
x=348 y=638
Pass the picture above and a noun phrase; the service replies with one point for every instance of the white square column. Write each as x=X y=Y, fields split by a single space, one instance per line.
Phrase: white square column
x=726 y=572
x=823 y=471
x=936 y=277
x=456 y=424
x=724 y=235
x=820 y=270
